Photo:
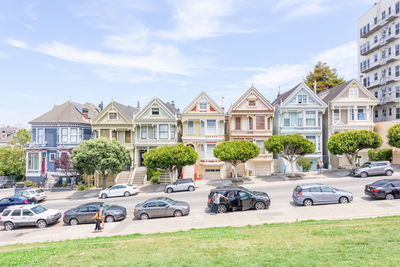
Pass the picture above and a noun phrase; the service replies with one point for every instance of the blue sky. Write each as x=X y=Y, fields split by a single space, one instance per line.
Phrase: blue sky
x=92 y=51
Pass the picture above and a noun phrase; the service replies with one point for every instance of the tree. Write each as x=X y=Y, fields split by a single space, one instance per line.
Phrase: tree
x=64 y=164
x=21 y=139
x=12 y=162
x=236 y=152
x=394 y=135
x=99 y=155
x=289 y=147
x=170 y=158
x=351 y=142
x=324 y=76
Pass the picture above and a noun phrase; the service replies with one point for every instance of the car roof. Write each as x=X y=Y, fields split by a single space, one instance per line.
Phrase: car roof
x=156 y=198
x=311 y=185
x=21 y=206
x=232 y=187
x=91 y=203
x=387 y=180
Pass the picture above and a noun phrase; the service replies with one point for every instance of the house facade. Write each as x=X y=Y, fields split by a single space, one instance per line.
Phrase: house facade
x=251 y=119
x=55 y=132
x=300 y=111
x=203 y=127
x=350 y=107
x=6 y=135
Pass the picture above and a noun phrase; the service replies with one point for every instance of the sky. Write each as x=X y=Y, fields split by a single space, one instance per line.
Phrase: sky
x=133 y=50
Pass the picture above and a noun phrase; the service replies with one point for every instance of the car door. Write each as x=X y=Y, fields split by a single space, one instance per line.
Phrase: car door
x=372 y=169
x=83 y=214
x=233 y=199
x=112 y=191
x=15 y=217
x=121 y=190
x=92 y=210
x=396 y=189
x=27 y=217
x=164 y=209
x=4 y=203
x=151 y=209
x=245 y=200
x=316 y=194
x=328 y=195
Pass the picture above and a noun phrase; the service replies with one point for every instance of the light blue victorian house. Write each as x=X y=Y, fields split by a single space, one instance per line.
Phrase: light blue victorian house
x=300 y=111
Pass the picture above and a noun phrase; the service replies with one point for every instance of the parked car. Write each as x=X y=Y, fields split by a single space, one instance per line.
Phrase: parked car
x=7 y=182
x=24 y=215
x=239 y=198
x=36 y=193
x=11 y=201
x=310 y=194
x=180 y=185
x=85 y=213
x=384 y=189
x=119 y=190
x=161 y=207
x=373 y=168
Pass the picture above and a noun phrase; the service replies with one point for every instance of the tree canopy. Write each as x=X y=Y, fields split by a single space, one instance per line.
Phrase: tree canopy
x=236 y=152
x=325 y=77
x=394 y=135
x=170 y=158
x=99 y=155
x=289 y=147
x=64 y=164
x=351 y=142
x=21 y=139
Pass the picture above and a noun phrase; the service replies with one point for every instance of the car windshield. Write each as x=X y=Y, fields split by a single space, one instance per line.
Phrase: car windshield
x=39 y=191
x=249 y=191
x=380 y=183
x=106 y=207
x=366 y=165
x=170 y=201
x=38 y=209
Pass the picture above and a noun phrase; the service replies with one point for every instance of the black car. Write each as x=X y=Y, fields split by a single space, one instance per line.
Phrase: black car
x=85 y=213
x=239 y=198
x=11 y=201
x=7 y=181
x=384 y=189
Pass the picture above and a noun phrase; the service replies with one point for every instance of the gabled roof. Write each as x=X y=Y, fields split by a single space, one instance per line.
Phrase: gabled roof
x=284 y=96
x=331 y=93
x=168 y=107
x=209 y=99
x=128 y=110
x=69 y=112
x=252 y=89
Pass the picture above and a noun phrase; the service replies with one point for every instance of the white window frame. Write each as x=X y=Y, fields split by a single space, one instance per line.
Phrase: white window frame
x=74 y=137
x=30 y=162
x=201 y=107
x=163 y=134
x=286 y=118
x=144 y=132
x=64 y=135
x=211 y=130
x=308 y=117
x=155 y=110
x=116 y=116
x=210 y=149
x=190 y=127
x=52 y=157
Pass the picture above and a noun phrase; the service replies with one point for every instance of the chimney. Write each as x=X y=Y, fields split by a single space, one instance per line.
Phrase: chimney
x=173 y=103
x=85 y=113
x=138 y=105
x=222 y=102
x=315 y=86
x=101 y=106
x=279 y=91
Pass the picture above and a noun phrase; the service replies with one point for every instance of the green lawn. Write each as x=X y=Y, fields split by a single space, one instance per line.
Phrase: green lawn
x=365 y=242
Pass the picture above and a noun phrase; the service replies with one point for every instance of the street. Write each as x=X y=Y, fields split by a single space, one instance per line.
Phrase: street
x=282 y=209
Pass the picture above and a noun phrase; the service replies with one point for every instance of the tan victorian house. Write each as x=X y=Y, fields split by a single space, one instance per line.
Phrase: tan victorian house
x=251 y=119
x=203 y=125
x=350 y=107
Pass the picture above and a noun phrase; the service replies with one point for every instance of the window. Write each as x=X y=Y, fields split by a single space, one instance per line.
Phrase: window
x=40 y=137
x=155 y=111
x=376 y=114
x=383 y=73
x=211 y=127
x=384 y=112
x=162 y=204
x=361 y=113
x=389 y=11
x=237 y=123
x=286 y=119
x=250 y=123
x=326 y=189
x=252 y=103
x=203 y=106
x=397 y=71
x=114 y=135
x=376 y=58
x=202 y=154
x=397 y=91
x=397 y=49
x=260 y=122
x=389 y=31
x=33 y=161
x=336 y=115
x=74 y=135
x=397 y=113
x=52 y=157
x=383 y=14
x=269 y=123
x=310 y=118
x=143 y=132
x=163 y=131
x=397 y=7
x=202 y=126
x=375 y=76
x=389 y=71
x=190 y=129
x=112 y=116
x=173 y=132
x=302 y=99
x=353 y=92
x=375 y=41
x=390 y=112
x=376 y=94
x=127 y=136
x=16 y=213
x=375 y=20
x=389 y=51
x=210 y=149
x=27 y=213
x=383 y=54
x=150 y=204
x=300 y=119
x=64 y=135
x=260 y=144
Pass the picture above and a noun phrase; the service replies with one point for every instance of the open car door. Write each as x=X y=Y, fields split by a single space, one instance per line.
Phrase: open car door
x=245 y=200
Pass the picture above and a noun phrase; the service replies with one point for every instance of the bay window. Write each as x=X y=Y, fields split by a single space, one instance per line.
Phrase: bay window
x=310 y=118
x=336 y=115
x=211 y=127
x=172 y=132
x=286 y=119
x=163 y=131
x=33 y=161
x=300 y=119
x=260 y=144
x=190 y=129
x=210 y=149
x=361 y=112
x=143 y=132
x=237 y=123
x=64 y=135
x=260 y=122
x=250 y=123
x=74 y=135
x=40 y=135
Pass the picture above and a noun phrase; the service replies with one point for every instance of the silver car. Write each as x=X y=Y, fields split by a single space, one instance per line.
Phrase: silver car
x=161 y=207
x=310 y=194
x=373 y=168
x=180 y=185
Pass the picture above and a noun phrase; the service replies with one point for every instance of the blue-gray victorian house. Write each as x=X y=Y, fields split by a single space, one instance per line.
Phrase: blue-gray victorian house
x=55 y=132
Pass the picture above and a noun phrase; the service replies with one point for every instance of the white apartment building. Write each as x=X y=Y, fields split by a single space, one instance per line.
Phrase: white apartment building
x=379 y=57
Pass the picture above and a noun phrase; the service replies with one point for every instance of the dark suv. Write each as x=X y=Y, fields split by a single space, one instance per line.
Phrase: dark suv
x=239 y=198
x=384 y=189
x=7 y=181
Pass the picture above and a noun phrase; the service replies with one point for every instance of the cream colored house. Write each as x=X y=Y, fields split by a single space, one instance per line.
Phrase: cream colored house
x=203 y=125
x=251 y=119
x=350 y=107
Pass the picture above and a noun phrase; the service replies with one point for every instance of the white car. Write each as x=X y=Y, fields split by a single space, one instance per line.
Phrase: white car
x=36 y=193
x=119 y=190
x=23 y=215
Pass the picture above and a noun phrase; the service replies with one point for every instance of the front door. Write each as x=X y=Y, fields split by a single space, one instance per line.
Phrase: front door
x=141 y=157
x=245 y=200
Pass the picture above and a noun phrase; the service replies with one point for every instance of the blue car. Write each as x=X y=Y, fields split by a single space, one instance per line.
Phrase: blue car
x=10 y=201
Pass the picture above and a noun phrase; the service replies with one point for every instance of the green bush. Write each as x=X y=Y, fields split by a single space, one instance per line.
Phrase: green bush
x=372 y=155
x=250 y=172
x=382 y=155
x=35 y=185
x=82 y=187
x=155 y=180
x=28 y=183
x=304 y=163
x=20 y=185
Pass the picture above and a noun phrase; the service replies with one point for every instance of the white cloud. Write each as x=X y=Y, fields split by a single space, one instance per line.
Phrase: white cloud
x=135 y=42
x=293 y=9
x=17 y=43
x=201 y=19
x=29 y=11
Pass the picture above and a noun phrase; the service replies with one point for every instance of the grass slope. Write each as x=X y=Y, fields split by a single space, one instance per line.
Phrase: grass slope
x=364 y=242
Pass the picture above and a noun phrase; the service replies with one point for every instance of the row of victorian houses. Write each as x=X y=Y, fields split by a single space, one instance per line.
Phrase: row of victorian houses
x=202 y=125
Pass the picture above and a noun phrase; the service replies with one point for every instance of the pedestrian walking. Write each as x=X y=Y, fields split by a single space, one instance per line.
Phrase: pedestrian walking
x=102 y=215
x=217 y=201
x=97 y=217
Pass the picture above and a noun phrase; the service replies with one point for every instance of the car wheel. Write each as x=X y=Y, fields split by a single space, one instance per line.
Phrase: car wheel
x=389 y=197
x=110 y=219
x=73 y=222
x=389 y=173
x=259 y=206
x=222 y=208
x=364 y=175
x=169 y=190
x=104 y=195
x=343 y=200
x=191 y=188
x=127 y=194
x=41 y=224
x=307 y=202
x=144 y=216
x=178 y=213
x=8 y=226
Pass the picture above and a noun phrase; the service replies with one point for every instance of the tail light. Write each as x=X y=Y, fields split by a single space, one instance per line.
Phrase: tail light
x=134 y=187
x=299 y=194
x=26 y=201
x=374 y=190
x=135 y=210
x=65 y=214
x=391 y=164
x=210 y=200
